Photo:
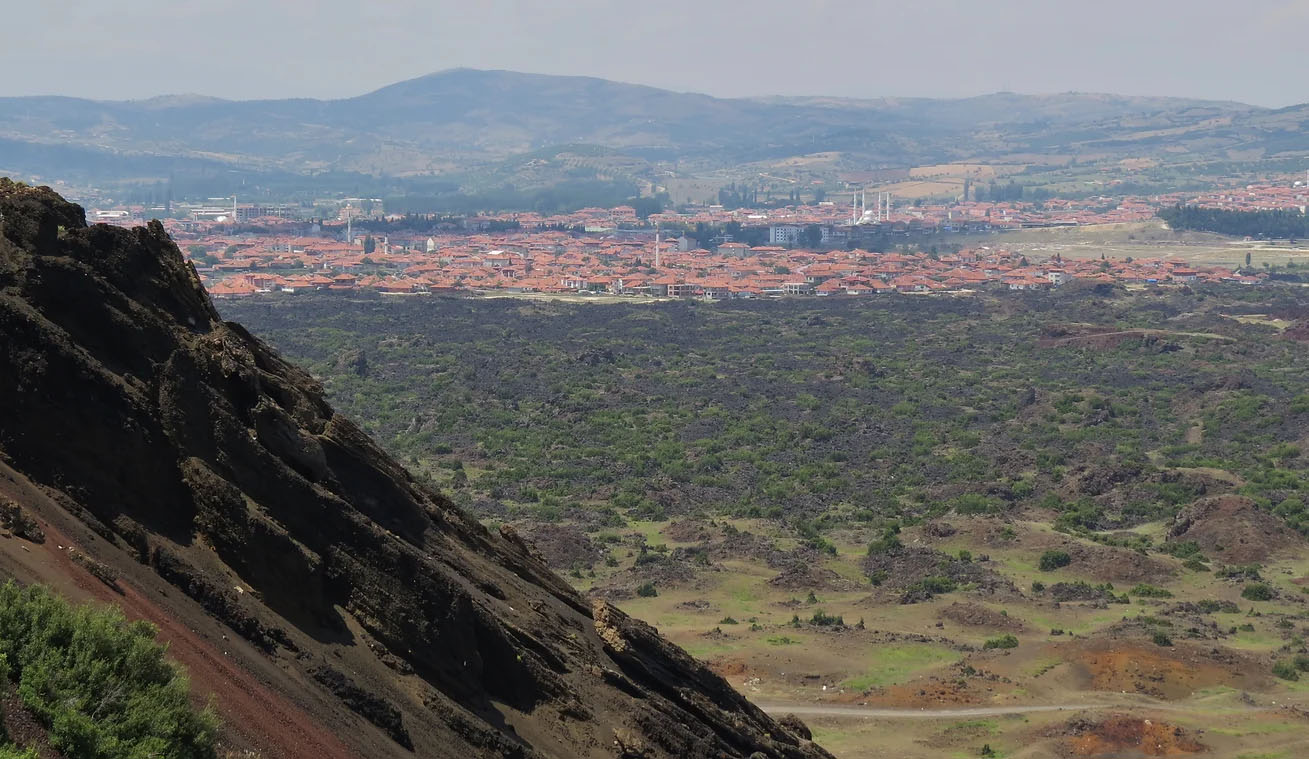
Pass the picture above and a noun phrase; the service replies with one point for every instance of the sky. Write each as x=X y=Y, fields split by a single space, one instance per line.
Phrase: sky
x=1251 y=51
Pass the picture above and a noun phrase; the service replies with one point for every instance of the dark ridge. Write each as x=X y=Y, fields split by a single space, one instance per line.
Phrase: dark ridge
x=192 y=446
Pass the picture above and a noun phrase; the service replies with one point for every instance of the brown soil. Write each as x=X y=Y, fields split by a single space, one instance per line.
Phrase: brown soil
x=689 y=531
x=22 y=727
x=561 y=546
x=976 y=615
x=1137 y=666
x=1233 y=530
x=1121 y=735
x=1298 y=331
x=806 y=576
x=922 y=695
x=1113 y=564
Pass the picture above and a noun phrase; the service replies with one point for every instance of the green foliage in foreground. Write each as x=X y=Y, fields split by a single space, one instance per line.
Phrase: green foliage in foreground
x=100 y=684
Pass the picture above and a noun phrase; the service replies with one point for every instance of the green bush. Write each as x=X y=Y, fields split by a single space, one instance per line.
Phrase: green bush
x=1286 y=670
x=646 y=590
x=1144 y=590
x=1162 y=639
x=937 y=585
x=1052 y=560
x=826 y=620
x=1257 y=591
x=1004 y=641
x=888 y=542
x=99 y=684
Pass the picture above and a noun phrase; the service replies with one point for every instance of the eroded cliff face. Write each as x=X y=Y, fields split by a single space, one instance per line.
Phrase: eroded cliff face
x=192 y=449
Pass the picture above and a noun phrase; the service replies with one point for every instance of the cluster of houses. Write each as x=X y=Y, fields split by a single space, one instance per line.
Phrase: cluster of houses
x=618 y=254
x=557 y=262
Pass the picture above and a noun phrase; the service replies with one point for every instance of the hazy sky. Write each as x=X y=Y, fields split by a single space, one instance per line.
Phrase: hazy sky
x=1248 y=50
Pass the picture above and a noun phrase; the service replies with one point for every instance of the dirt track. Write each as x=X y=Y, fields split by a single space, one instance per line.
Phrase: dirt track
x=821 y=710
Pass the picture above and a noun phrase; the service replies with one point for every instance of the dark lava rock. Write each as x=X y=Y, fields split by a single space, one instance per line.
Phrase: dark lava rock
x=186 y=441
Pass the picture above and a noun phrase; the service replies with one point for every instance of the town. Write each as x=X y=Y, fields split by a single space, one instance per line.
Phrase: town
x=813 y=249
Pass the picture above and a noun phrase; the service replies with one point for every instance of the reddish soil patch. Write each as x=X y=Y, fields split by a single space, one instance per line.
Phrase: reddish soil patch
x=729 y=667
x=1128 y=736
x=1162 y=672
x=1233 y=529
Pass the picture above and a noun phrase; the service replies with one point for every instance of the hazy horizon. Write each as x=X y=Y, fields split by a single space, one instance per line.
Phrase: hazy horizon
x=244 y=50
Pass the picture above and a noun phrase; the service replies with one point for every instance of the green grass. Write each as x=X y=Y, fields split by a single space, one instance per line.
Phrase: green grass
x=897 y=663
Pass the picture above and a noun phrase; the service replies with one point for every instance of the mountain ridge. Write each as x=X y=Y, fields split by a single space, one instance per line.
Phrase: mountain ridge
x=456 y=119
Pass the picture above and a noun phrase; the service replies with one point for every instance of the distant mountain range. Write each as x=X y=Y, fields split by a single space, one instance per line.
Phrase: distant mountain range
x=460 y=121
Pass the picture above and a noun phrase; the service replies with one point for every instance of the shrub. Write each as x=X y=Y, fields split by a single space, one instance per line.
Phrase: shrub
x=1286 y=670
x=727 y=621
x=1162 y=639
x=826 y=620
x=1004 y=641
x=935 y=585
x=1257 y=591
x=1144 y=590
x=647 y=590
x=100 y=684
x=1241 y=572
x=1052 y=560
x=888 y=542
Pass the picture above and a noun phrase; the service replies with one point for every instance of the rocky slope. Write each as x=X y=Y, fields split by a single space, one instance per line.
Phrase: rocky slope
x=208 y=473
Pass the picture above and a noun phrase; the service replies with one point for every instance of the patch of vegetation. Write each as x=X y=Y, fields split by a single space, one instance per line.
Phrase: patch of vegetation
x=1004 y=641
x=1145 y=590
x=765 y=409
x=99 y=684
x=1052 y=560
x=1258 y=591
x=821 y=619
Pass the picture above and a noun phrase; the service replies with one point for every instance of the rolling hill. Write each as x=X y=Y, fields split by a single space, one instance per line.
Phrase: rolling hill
x=455 y=122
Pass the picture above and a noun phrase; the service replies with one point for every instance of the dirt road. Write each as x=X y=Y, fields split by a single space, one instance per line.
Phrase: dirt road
x=870 y=712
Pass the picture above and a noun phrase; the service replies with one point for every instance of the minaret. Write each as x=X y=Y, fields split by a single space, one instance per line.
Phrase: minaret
x=657 y=241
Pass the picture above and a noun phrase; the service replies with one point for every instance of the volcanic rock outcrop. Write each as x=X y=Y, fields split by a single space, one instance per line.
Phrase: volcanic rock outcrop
x=198 y=456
